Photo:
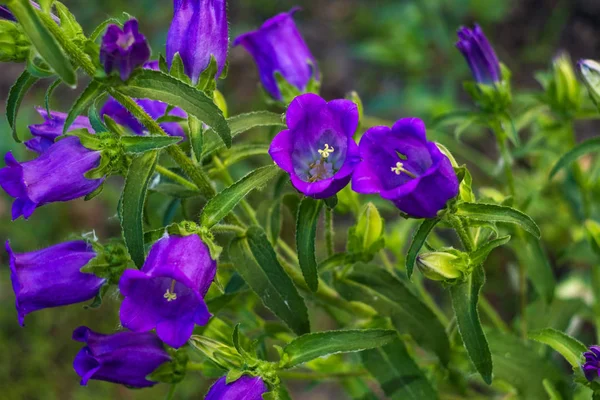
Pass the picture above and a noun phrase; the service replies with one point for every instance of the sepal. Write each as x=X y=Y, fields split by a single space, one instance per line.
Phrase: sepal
x=174 y=371
x=494 y=98
x=563 y=93
x=221 y=354
x=448 y=265
x=14 y=45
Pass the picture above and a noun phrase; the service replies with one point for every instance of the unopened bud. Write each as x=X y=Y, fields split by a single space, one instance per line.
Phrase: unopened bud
x=14 y=46
x=564 y=91
x=443 y=265
x=590 y=71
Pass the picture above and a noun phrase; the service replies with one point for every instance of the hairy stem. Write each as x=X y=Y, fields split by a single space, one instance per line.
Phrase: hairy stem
x=175 y=177
x=329 y=232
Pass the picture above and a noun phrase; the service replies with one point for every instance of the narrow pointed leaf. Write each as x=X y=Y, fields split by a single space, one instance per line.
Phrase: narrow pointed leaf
x=570 y=348
x=306 y=233
x=531 y=254
x=479 y=256
x=391 y=297
x=397 y=373
x=42 y=40
x=15 y=97
x=94 y=90
x=133 y=200
x=155 y=85
x=314 y=345
x=225 y=201
x=49 y=92
x=196 y=135
x=495 y=213
x=465 y=296
x=417 y=242
x=256 y=261
x=589 y=146
x=142 y=144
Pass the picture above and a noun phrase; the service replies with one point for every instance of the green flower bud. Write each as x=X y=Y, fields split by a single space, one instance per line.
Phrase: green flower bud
x=14 y=45
x=447 y=265
x=366 y=237
x=590 y=71
x=563 y=91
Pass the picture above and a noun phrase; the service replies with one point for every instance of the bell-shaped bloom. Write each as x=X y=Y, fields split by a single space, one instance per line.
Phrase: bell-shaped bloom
x=56 y=175
x=154 y=108
x=246 y=388
x=198 y=31
x=6 y=14
x=402 y=166
x=124 y=49
x=45 y=134
x=479 y=54
x=278 y=46
x=167 y=294
x=123 y=357
x=51 y=277
x=317 y=149
x=591 y=367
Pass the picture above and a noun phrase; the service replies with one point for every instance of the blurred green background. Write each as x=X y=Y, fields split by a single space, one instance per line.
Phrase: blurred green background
x=399 y=55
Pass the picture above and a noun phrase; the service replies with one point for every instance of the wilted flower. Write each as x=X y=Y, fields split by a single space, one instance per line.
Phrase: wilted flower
x=56 y=175
x=124 y=49
x=479 y=54
x=278 y=46
x=246 y=387
x=124 y=357
x=168 y=292
x=51 y=277
x=591 y=367
x=154 y=108
x=402 y=166
x=45 y=134
x=317 y=149
x=198 y=31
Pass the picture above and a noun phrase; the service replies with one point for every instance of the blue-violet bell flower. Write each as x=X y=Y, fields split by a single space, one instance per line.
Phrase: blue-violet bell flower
x=246 y=388
x=479 y=54
x=318 y=150
x=45 y=134
x=124 y=49
x=278 y=46
x=51 y=277
x=402 y=166
x=591 y=367
x=167 y=294
x=199 y=30
x=154 y=108
x=6 y=14
x=123 y=357
x=56 y=175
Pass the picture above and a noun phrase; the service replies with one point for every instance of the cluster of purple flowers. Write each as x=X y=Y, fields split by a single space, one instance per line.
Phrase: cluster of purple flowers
x=317 y=150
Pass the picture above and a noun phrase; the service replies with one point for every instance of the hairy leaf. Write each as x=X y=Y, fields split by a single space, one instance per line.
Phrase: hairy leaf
x=15 y=97
x=570 y=348
x=495 y=213
x=306 y=232
x=94 y=90
x=142 y=144
x=417 y=242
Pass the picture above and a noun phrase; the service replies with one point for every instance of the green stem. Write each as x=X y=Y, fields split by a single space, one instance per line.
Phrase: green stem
x=246 y=207
x=329 y=232
x=225 y=228
x=580 y=176
x=171 y=393
x=507 y=162
x=463 y=233
x=301 y=375
x=176 y=178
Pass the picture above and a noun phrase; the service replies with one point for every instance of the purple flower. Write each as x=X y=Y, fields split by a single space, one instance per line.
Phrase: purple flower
x=246 y=387
x=318 y=150
x=154 y=108
x=168 y=292
x=198 y=31
x=278 y=46
x=6 y=14
x=591 y=367
x=51 y=277
x=56 y=175
x=124 y=49
x=45 y=134
x=479 y=54
x=402 y=166
x=123 y=357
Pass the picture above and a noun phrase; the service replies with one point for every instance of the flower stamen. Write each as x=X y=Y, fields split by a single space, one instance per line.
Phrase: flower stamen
x=399 y=169
x=170 y=294
x=326 y=151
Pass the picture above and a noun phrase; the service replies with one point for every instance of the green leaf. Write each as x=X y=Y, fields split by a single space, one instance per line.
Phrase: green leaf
x=495 y=213
x=95 y=119
x=155 y=85
x=314 y=345
x=392 y=297
x=397 y=373
x=15 y=97
x=465 y=297
x=99 y=30
x=42 y=40
x=256 y=261
x=196 y=134
x=553 y=393
x=49 y=92
x=225 y=201
x=94 y=90
x=479 y=256
x=306 y=233
x=570 y=348
x=417 y=242
x=589 y=146
x=239 y=124
x=531 y=254
x=142 y=144
x=134 y=197
x=274 y=221
x=68 y=23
